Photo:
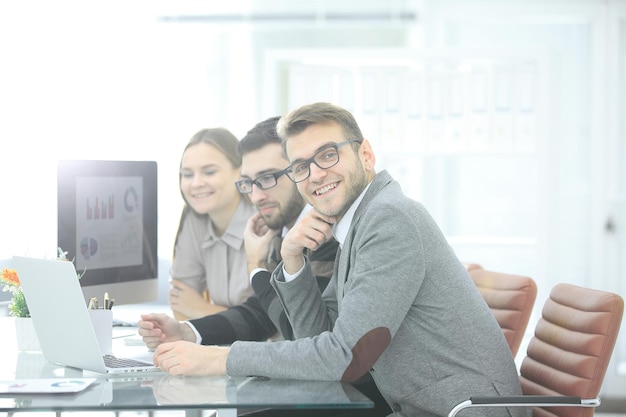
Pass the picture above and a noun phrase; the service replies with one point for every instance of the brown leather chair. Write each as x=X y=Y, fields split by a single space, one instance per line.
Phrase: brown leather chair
x=568 y=356
x=511 y=299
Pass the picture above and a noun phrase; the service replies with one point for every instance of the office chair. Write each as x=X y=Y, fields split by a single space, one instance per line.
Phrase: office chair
x=568 y=356
x=511 y=299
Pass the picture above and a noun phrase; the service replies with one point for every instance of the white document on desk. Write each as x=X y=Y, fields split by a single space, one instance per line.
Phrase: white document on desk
x=45 y=385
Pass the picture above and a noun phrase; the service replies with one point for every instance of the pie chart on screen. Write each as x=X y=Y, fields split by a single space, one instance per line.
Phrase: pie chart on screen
x=88 y=247
x=131 y=201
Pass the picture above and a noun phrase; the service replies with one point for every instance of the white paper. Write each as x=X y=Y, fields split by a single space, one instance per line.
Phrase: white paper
x=45 y=385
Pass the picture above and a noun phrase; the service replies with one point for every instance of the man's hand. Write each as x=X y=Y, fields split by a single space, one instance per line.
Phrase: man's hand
x=257 y=238
x=157 y=328
x=311 y=232
x=185 y=358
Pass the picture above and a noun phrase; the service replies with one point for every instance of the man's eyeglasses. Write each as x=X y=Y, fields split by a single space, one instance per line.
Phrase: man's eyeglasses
x=325 y=158
x=264 y=182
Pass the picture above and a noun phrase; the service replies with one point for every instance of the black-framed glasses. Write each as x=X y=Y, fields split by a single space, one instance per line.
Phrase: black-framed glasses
x=325 y=158
x=264 y=182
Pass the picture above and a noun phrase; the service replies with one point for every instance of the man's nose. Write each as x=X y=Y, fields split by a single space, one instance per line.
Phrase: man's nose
x=257 y=194
x=315 y=172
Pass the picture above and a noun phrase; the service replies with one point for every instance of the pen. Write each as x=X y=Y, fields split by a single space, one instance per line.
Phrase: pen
x=106 y=300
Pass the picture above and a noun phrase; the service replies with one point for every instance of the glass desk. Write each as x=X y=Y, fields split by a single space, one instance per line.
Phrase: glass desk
x=160 y=391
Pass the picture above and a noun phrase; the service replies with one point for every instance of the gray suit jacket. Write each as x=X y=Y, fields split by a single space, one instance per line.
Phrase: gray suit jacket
x=400 y=306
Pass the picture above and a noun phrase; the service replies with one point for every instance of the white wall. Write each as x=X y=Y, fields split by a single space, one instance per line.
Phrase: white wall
x=102 y=80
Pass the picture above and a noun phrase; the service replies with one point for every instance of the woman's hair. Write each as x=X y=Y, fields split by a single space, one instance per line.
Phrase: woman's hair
x=225 y=142
x=220 y=138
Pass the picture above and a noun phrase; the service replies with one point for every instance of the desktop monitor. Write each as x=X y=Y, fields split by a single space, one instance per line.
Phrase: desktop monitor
x=107 y=223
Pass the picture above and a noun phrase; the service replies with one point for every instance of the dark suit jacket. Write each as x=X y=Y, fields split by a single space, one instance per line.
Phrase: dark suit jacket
x=259 y=317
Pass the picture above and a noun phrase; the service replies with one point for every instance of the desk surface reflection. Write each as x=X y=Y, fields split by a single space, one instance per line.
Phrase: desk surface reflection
x=154 y=391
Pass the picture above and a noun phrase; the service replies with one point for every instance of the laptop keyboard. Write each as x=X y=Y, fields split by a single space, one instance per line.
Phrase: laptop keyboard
x=114 y=362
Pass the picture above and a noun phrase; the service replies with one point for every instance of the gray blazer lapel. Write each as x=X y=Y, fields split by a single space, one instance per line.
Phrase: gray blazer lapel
x=341 y=272
x=345 y=255
x=380 y=181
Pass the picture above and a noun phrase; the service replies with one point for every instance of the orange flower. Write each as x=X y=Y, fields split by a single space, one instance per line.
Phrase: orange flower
x=10 y=277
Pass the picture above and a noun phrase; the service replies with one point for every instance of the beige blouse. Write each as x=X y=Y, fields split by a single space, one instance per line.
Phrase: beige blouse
x=206 y=261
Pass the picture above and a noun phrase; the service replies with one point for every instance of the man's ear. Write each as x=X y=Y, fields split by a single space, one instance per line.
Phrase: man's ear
x=366 y=153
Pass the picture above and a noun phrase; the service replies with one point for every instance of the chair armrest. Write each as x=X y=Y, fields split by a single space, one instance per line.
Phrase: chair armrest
x=525 y=401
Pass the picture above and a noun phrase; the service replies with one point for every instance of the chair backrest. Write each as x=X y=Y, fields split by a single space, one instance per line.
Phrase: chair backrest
x=572 y=346
x=511 y=299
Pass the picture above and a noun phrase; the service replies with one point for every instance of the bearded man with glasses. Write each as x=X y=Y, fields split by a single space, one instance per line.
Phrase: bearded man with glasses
x=400 y=315
x=279 y=205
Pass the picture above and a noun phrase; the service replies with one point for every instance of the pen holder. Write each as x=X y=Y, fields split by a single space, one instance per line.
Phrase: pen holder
x=102 y=320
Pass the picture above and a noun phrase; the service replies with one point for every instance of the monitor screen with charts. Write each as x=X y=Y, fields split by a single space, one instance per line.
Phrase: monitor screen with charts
x=107 y=223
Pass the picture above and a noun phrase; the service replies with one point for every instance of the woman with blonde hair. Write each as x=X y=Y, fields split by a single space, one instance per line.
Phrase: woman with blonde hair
x=209 y=269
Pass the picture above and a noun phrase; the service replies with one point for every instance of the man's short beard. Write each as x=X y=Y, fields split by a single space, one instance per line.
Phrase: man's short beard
x=274 y=223
x=288 y=214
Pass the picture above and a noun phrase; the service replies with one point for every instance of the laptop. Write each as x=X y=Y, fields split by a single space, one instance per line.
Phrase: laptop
x=61 y=319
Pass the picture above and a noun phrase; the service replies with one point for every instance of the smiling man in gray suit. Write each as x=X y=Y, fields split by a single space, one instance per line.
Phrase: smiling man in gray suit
x=400 y=313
